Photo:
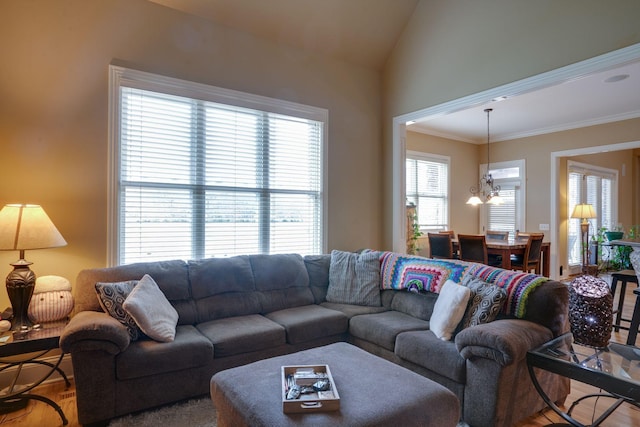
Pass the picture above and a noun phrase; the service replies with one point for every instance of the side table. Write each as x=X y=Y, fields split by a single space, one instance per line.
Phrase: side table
x=20 y=349
x=614 y=369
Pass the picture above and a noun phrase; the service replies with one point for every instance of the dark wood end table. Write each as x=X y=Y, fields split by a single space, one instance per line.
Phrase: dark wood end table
x=614 y=369
x=19 y=349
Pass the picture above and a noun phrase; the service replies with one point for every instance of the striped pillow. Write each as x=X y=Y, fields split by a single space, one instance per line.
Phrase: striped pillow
x=354 y=278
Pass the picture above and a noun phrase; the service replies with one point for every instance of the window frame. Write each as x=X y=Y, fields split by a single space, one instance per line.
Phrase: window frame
x=121 y=76
x=519 y=183
x=437 y=158
x=586 y=169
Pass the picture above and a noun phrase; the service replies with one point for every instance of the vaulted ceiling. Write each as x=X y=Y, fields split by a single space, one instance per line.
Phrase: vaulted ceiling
x=364 y=32
x=358 y=31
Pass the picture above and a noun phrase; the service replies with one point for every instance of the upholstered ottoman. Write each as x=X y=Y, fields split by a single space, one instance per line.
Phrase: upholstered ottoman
x=373 y=392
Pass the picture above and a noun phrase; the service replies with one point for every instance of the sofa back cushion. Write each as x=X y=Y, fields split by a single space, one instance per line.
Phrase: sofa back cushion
x=282 y=281
x=248 y=284
x=415 y=304
x=318 y=270
x=548 y=305
x=171 y=276
x=223 y=287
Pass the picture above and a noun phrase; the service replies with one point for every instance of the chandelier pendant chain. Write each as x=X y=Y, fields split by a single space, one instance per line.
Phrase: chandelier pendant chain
x=487 y=188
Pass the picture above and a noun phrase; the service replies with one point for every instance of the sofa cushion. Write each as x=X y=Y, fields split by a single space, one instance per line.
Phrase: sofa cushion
x=485 y=302
x=449 y=309
x=547 y=305
x=415 y=304
x=242 y=334
x=351 y=310
x=318 y=270
x=171 y=276
x=425 y=349
x=281 y=280
x=223 y=287
x=151 y=310
x=212 y=276
x=383 y=328
x=111 y=297
x=354 y=278
x=146 y=357
x=310 y=322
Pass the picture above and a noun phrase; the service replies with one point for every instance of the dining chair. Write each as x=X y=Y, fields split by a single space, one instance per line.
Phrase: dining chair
x=531 y=260
x=522 y=236
x=497 y=235
x=449 y=232
x=473 y=247
x=440 y=245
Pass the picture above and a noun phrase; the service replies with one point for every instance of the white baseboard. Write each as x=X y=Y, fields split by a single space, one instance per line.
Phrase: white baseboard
x=34 y=372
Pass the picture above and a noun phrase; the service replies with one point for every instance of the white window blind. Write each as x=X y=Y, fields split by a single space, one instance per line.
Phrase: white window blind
x=505 y=217
x=428 y=189
x=200 y=179
x=508 y=216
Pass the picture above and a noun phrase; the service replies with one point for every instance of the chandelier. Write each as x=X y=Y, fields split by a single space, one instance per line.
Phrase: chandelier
x=487 y=188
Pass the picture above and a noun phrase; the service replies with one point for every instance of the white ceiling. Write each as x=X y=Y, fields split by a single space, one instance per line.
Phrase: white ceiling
x=585 y=101
x=364 y=32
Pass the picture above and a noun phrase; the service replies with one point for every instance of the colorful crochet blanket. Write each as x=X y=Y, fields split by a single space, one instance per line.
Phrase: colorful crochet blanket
x=398 y=271
x=518 y=286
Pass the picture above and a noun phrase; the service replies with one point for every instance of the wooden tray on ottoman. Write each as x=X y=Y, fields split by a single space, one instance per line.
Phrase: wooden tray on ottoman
x=312 y=402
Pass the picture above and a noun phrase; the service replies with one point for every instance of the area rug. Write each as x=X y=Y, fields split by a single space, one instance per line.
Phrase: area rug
x=192 y=413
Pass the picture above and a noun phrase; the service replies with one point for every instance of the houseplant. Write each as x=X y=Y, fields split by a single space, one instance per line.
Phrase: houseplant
x=620 y=254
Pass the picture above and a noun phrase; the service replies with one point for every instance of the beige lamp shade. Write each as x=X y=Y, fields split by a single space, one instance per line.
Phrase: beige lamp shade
x=583 y=210
x=27 y=227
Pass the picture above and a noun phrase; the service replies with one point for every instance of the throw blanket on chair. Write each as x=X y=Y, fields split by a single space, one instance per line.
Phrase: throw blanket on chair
x=415 y=273
x=518 y=286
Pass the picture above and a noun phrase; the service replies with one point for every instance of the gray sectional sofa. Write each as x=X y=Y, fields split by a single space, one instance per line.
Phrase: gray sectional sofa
x=237 y=310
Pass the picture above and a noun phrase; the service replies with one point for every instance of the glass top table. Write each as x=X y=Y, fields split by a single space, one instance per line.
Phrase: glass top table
x=26 y=348
x=614 y=369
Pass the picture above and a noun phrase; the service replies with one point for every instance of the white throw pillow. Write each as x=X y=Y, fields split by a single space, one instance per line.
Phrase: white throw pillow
x=151 y=310
x=449 y=309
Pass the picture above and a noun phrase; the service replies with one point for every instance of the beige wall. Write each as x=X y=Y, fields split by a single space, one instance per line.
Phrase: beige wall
x=452 y=49
x=53 y=112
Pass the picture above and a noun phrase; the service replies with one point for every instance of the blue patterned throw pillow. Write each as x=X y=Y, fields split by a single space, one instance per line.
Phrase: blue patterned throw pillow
x=111 y=297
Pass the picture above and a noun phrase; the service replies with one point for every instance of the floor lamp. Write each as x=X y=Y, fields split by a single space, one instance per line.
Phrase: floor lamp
x=585 y=212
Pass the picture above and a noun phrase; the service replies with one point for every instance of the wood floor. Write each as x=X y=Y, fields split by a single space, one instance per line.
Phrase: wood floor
x=38 y=414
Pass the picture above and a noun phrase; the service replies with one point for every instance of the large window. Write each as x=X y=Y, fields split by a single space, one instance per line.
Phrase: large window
x=508 y=216
x=428 y=189
x=598 y=187
x=200 y=171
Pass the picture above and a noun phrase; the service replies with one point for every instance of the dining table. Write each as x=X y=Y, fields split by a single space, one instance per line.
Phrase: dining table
x=505 y=249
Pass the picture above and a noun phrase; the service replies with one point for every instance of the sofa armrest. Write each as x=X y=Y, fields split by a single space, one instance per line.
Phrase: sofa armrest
x=505 y=341
x=93 y=330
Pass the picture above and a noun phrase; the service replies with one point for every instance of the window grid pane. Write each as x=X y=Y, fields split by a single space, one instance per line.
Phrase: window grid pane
x=202 y=179
x=596 y=188
x=427 y=188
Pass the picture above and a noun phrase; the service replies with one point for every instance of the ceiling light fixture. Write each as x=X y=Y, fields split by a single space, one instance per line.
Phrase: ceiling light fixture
x=617 y=78
x=487 y=187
